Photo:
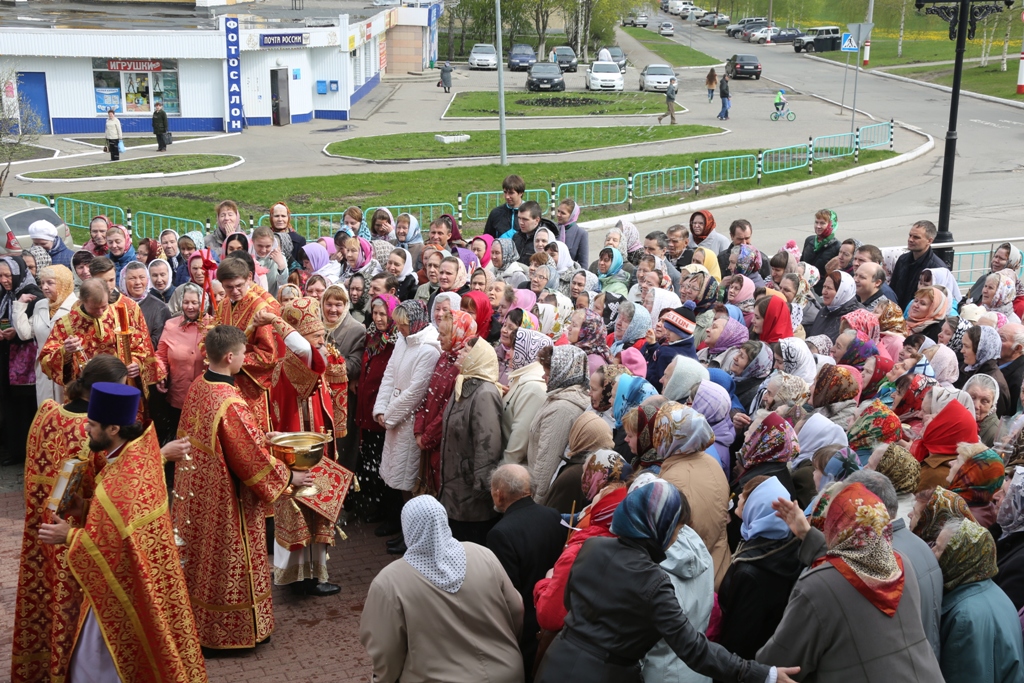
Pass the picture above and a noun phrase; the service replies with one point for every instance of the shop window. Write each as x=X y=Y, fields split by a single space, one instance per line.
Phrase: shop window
x=133 y=86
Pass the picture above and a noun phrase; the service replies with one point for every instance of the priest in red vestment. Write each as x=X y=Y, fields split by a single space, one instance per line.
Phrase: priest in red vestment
x=85 y=332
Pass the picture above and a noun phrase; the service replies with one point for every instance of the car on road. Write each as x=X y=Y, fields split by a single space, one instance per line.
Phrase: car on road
x=545 y=76
x=629 y=20
x=749 y=29
x=618 y=56
x=819 y=39
x=604 y=76
x=666 y=28
x=743 y=65
x=733 y=29
x=713 y=19
x=483 y=56
x=565 y=58
x=656 y=77
x=521 y=57
x=779 y=35
x=692 y=12
x=642 y=20
x=16 y=215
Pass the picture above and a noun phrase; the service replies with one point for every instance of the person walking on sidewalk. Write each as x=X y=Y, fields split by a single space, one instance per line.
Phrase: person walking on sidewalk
x=113 y=135
x=711 y=82
x=723 y=93
x=670 y=102
x=446 y=76
x=160 y=127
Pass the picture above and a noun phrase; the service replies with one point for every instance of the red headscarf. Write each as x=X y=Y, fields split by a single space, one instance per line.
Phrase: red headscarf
x=954 y=424
x=883 y=365
x=777 y=322
x=209 y=270
x=484 y=312
x=709 y=225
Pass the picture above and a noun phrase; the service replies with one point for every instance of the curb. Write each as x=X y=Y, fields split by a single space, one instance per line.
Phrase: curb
x=933 y=86
x=135 y=176
x=725 y=131
x=725 y=200
x=56 y=155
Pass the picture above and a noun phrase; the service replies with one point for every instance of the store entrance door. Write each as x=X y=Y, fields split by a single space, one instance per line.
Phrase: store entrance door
x=281 y=112
x=32 y=87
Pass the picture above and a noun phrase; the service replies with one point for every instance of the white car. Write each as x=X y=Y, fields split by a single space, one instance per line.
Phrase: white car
x=697 y=13
x=667 y=28
x=656 y=77
x=761 y=35
x=483 y=56
x=605 y=76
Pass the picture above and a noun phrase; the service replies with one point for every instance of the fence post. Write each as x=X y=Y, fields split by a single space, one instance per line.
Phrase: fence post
x=856 y=146
x=696 y=176
x=53 y=202
x=810 y=155
x=252 y=223
x=554 y=198
x=128 y=220
x=207 y=232
x=459 y=208
x=760 y=157
x=629 y=190
x=892 y=132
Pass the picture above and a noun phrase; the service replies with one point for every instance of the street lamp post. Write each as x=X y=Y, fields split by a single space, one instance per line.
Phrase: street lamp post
x=962 y=17
x=501 y=87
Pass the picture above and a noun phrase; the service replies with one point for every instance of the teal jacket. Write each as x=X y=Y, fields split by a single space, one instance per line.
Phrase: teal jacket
x=981 y=635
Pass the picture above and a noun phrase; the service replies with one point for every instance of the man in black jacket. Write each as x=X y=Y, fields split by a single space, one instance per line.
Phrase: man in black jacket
x=906 y=274
x=531 y=217
x=502 y=219
x=527 y=541
x=160 y=127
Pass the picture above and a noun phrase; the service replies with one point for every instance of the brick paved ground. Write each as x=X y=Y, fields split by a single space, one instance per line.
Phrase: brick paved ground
x=315 y=639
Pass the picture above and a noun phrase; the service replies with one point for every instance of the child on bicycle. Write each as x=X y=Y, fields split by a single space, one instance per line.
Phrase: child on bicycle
x=780 y=100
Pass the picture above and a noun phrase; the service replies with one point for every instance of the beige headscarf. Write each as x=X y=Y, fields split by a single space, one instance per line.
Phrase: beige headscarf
x=480 y=362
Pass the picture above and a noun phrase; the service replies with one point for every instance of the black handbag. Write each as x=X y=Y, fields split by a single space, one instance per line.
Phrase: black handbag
x=168 y=139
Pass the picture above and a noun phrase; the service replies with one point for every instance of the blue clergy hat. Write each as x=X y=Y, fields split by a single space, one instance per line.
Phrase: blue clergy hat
x=114 y=404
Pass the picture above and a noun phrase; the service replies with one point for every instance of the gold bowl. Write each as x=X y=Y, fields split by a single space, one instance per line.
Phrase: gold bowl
x=299 y=450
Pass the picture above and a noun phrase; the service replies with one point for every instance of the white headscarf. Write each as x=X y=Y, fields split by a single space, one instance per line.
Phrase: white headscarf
x=455 y=299
x=817 y=432
x=663 y=299
x=798 y=359
x=551 y=237
x=170 y=273
x=123 y=285
x=847 y=290
x=407 y=268
x=431 y=549
x=945 y=279
x=565 y=261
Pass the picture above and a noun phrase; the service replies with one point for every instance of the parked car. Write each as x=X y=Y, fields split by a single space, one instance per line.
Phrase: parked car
x=819 y=39
x=732 y=29
x=629 y=20
x=713 y=19
x=566 y=58
x=15 y=217
x=521 y=57
x=667 y=28
x=618 y=56
x=675 y=6
x=761 y=34
x=642 y=20
x=749 y=29
x=779 y=35
x=664 y=5
x=483 y=56
x=656 y=77
x=545 y=76
x=743 y=65
x=604 y=76
x=692 y=12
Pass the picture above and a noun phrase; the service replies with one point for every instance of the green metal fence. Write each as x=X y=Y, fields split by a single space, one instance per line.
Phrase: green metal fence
x=478 y=205
x=146 y=224
x=35 y=198
x=605 y=192
x=424 y=213
x=663 y=181
x=312 y=225
x=834 y=146
x=875 y=135
x=728 y=169
x=78 y=213
x=783 y=159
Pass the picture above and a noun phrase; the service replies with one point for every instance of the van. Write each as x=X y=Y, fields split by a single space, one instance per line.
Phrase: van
x=675 y=6
x=819 y=39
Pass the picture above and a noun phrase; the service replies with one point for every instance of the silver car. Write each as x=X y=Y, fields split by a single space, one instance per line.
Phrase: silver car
x=656 y=77
x=15 y=217
x=483 y=56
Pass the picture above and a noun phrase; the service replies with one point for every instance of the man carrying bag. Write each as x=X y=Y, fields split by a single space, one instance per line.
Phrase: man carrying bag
x=160 y=127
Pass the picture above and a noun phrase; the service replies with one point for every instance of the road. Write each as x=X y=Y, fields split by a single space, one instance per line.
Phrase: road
x=879 y=207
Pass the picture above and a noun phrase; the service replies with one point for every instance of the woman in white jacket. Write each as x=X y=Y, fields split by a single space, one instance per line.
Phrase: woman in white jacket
x=58 y=283
x=402 y=389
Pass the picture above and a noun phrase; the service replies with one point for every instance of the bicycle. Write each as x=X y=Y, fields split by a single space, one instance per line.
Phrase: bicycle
x=784 y=112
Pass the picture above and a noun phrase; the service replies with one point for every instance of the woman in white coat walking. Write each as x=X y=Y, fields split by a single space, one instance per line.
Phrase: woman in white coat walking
x=58 y=284
x=402 y=389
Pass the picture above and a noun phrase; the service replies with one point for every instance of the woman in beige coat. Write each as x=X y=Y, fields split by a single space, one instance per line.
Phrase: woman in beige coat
x=445 y=612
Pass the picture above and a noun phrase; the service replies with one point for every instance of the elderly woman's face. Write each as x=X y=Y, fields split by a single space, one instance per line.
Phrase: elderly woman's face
x=315 y=289
x=1000 y=259
x=478 y=283
x=198 y=274
x=333 y=308
x=715 y=331
x=988 y=292
x=734 y=290
x=539 y=280
x=508 y=333
x=840 y=346
x=621 y=325
x=496 y=255
x=540 y=240
x=828 y=291
x=968 y=351
x=190 y=306
x=613 y=239
x=442 y=307
x=983 y=401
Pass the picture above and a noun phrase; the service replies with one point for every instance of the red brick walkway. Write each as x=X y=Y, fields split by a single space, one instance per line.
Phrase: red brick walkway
x=315 y=639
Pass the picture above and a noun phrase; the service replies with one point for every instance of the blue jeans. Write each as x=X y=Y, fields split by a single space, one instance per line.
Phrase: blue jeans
x=711 y=94
x=726 y=105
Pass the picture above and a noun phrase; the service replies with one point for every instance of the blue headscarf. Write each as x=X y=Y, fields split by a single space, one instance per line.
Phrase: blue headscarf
x=637 y=329
x=759 y=519
x=649 y=513
x=414 y=235
x=630 y=392
x=616 y=265
x=735 y=313
x=726 y=381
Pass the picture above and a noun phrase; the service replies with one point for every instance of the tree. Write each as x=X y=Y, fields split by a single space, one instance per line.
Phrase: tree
x=541 y=11
x=20 y=125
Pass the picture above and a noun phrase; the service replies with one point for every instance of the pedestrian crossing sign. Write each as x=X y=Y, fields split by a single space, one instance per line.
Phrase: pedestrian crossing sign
x=849 y=44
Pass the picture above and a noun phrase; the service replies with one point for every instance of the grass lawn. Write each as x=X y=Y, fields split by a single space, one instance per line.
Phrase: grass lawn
x=672 y=52
x=334 y=193
x=486 y=142
x=171 y=163
x=135 y=141
x=478 y=104
x=27 y=152
x=883 y=51
x=988 y=80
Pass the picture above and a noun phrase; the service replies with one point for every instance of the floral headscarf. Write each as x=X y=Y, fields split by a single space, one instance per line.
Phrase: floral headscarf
x=1011 y=511
x=525 y=346
x=979 y=477
x=797 y=359
x=828 y=235
x=834 y=383
x=890 y=319
x=636 y=331
x=593 y=337
x=875 y=425
x=748 y=260
x=791 y=389
x=649 y=513
x=935 y=312
x=568 y=368
x=646 y=421
x=759 y=367
x=822 y=343
x=733 y=334
x=957 y=340
x=858 y=534
x=900 y=467
x=631 y=237
x=859 y=350
x=1006 y=292
x=988 y=347
x=913 y=400
x=943 y=506
x=378 y=340
x=773 y=440
x=882 y=367
x=707 y=293
x=864 y=322
x=463 y=328
x=630 y=392
x=547 y=315
x=416 y=310
x=602 y=467
x=682 y=430
x=969 y=557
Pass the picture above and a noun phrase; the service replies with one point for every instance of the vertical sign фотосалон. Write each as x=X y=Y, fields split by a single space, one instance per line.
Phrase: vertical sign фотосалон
x=233 y=73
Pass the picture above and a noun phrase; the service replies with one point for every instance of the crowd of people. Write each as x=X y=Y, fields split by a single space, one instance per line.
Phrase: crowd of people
x=685 y=459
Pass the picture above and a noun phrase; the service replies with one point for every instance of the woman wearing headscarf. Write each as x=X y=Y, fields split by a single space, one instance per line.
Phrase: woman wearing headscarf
x=714 y=403
x=399 y=264
x=316 y=261
x=18 y=353
x=348 y=337
x=1010 y=547
x=937 y=447
x=875 y=630
x=709 y=259
x=442 y=591
x=581 y=476
x=471 y=446
x=927 y=312
x=838 y=294
x=946 y=366
x=202 y=270
x=681 y=375
x=976 y=475
x=770 y=443
x=852 y=348
x=771 y=321
x=875 y=425
x=630 y=330
x=749 y=364
x=134 y=284
x=943 y=277
x=725 y=333
x=682 y=437
x=765 y=566
x=981 y=635
x=835 y=393
x=630 y=621
x=505 y=260
x=586 y=330
x=178 y=352
x=816 y=432
x=378 y=350
x=358 y=258
x=981 y=348
x=58 y=285
x=567 y=398
x=661 y=300
x=999 y=293
x=526 y=393
x=610 y=273
x=454 y=328
x=479 y=306
x=796 y=359
x=741 y=290
x=822 y=246
x=985 y=392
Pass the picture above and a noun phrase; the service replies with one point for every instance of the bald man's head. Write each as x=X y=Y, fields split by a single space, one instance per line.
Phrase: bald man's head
x=1012 y=336
x=509 y=483
x=95 y=296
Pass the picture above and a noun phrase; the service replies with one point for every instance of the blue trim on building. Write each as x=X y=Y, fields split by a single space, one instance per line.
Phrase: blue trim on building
x=364 y=89
x=79 y=125
x=302 y=118
x=336 y=114
x=259 y=120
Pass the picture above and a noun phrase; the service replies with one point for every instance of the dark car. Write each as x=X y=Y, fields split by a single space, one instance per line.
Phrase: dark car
x=566 y=59
x=618 y=56
x=787 y=35
x=521 y=57
x=743 y=65
x=709 y=19
x=545 y=76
